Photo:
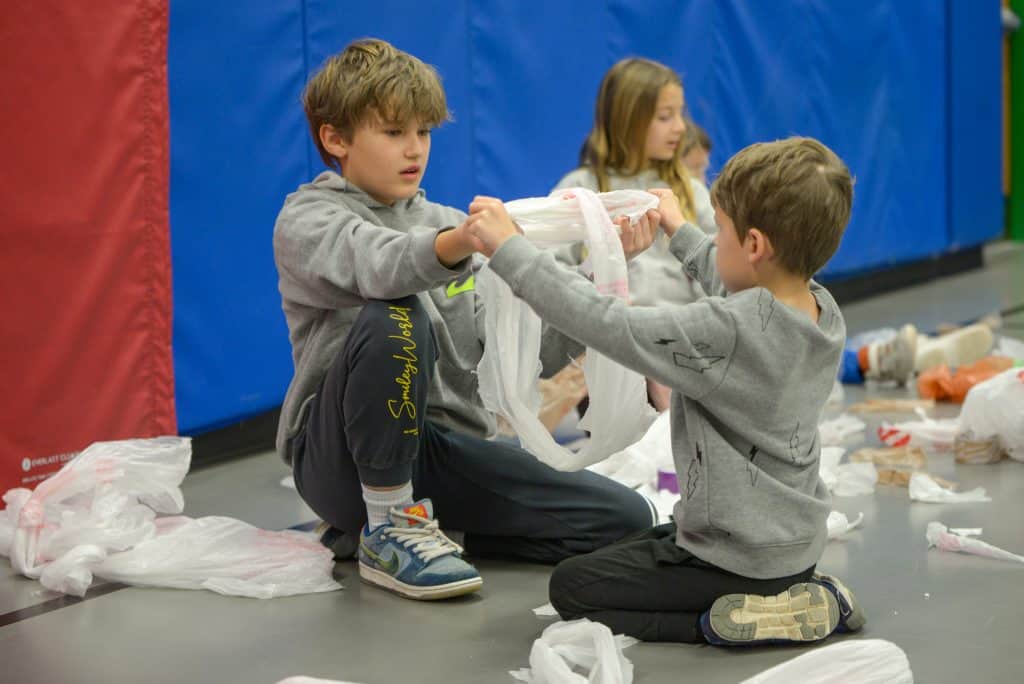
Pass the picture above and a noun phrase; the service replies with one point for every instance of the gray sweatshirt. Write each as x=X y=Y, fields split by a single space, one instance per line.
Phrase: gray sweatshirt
x=335 y=248
x=656 y=276
x=750 y=377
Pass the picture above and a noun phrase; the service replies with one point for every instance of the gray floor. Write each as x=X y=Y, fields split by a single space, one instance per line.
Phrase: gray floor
x=959 y=618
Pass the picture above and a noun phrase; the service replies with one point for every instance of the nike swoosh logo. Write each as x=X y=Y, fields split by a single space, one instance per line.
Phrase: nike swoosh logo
x=459 y=288
x=389 y=566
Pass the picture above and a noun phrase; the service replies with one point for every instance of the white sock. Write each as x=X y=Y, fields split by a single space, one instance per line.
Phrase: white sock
x=378 y=503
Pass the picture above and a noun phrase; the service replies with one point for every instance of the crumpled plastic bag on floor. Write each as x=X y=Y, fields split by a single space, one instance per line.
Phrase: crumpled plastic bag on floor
x=848 y=479
x=565 y=648
x=839 y=525
x=97 y=516
x=945 y=539
x=836 y=431
x=924 y=488
x=856 y=661
x=995 y=408
x=508 y=371
x=938 y=434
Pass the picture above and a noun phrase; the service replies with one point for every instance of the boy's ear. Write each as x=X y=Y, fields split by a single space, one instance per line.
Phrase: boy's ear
x=759 y=248
x=334 y=142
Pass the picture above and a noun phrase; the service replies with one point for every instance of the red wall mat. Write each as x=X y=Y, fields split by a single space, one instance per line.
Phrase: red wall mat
x=85 y=275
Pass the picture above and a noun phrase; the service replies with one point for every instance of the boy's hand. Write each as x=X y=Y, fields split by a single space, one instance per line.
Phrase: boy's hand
x=490 y=224
x=639 y=236
x=668 y=206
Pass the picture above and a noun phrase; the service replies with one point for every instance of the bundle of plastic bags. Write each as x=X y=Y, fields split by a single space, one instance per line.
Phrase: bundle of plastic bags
x=97 y=517
x=618 y=414
x=994 y=409
x=864 y=661
x=578 y=652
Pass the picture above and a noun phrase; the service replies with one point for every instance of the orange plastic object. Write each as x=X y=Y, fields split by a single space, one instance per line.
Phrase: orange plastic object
x=943 y=385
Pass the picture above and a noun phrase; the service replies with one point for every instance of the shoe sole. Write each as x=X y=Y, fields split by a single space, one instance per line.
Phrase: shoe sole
x=383 y=580
x=855 y=620
x=804 y=612
x=957 y=348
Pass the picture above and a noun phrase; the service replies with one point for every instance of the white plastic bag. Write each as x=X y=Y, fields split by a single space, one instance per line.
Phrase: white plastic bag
x=995 y=408
x=923 y=487
x=226 y=556
x=97 y=517
x=618 y=414
x=556 y=219
x=97 y=494
x=839 y=525
x=836 y=431
x=565 y=647
x=927 y=432
x=639 y=463
x=848 y=479
x=940 y=536
x=857 y=661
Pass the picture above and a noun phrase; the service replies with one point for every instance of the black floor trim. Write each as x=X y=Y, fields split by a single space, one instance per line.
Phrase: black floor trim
x=873 y=283
x=58 y=603
x=244 y=438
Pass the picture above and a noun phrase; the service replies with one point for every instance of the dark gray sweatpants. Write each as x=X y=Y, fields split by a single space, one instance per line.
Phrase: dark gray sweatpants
x=359 y=429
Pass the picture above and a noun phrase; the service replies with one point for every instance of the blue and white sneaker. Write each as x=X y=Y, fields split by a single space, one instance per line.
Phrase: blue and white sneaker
x=851 y=617
x=804 y=612
x=412 y=557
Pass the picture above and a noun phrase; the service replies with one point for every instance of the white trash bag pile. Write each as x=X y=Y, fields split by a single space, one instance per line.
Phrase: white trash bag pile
x=97 y=517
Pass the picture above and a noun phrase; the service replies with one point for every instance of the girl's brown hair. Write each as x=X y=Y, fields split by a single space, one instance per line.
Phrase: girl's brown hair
x=625 y=106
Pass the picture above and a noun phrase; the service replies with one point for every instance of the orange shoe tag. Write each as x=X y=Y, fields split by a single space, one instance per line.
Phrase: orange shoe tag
x=418 y=510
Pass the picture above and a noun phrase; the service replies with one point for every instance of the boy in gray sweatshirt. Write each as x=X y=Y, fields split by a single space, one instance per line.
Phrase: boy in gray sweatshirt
x=751 y=367
x=382 y=423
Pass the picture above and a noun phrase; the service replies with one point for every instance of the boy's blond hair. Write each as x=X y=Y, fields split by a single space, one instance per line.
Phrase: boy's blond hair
x=796 y=191
x=370 y=80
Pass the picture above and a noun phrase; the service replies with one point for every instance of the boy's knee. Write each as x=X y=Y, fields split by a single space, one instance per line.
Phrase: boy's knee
x=563 y=589
x=632 y=513
x=404 y=322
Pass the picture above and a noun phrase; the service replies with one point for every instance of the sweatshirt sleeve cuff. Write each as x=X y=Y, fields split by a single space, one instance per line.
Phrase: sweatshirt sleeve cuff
x=687 y=240
x=425 y=258
x=512 y=259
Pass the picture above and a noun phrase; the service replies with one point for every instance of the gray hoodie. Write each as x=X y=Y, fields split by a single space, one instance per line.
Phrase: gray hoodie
x=750 y=377
x=335 y=248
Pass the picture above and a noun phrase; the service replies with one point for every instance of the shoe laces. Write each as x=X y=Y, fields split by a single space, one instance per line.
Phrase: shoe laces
x=424 y=538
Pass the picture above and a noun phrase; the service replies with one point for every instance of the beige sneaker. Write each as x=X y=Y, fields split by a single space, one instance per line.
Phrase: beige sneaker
x=954 y=349
x=804 y=612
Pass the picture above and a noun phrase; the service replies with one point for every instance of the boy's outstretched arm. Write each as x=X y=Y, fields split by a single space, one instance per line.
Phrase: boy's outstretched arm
x=328 y=257
x=687 y=348
x=694 y=249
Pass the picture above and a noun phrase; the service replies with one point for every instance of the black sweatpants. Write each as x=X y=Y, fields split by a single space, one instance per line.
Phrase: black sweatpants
x=647 y=587
x=367 y=425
